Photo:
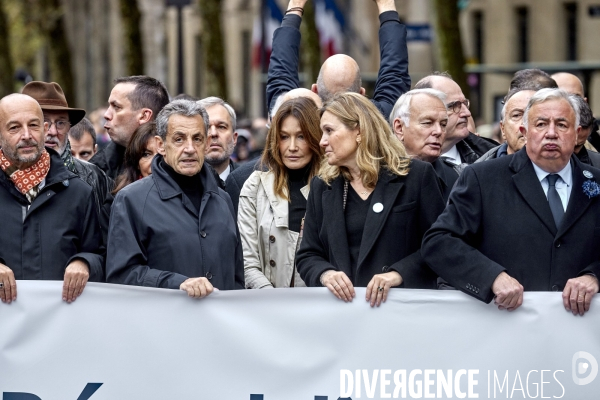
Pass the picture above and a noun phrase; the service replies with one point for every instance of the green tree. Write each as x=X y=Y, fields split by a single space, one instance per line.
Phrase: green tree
x=52 y=22
x=450 y=43
x=6 y=65
x=134 y=54
x=212 y=44
x=311 y=48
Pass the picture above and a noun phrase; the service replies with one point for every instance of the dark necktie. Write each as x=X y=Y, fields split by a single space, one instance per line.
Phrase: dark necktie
x=554 y=200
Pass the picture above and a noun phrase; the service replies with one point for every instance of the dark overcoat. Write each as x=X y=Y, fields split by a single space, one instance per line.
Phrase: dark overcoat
x=498 y=219
x=38 y=241
x=158 y=238
x=391 y=238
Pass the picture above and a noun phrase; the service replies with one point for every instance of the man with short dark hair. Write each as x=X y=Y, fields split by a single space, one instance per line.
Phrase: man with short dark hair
x=532 y=79
x=82 y=137
x=50 y=225
x=133 y=101
x=587 y=123
x=545 y=238
x=176 y=229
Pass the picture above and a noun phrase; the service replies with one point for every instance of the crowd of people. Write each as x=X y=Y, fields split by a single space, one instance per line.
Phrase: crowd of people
x=395 y=191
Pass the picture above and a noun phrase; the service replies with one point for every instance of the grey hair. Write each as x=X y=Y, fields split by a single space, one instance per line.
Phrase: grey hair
x=185 y=108
x=280 y=100
x=548 y=94
x=402 y=107
x=216 y=101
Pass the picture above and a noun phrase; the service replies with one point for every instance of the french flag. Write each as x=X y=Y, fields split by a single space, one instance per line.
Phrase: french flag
x=330 y=24
x=272 y=17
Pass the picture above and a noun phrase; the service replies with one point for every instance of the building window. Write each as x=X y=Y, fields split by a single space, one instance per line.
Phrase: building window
x=478 y=25
x=246 y=77
x=571 y=31
x=522 y=18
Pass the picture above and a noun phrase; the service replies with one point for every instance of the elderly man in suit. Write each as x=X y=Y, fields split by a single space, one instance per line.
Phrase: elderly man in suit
x=545 y=239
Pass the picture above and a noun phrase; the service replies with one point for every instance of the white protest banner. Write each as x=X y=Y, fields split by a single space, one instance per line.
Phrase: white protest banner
x=118 y=342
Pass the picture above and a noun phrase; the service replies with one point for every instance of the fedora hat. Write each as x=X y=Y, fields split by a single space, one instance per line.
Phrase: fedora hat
x=50 y=97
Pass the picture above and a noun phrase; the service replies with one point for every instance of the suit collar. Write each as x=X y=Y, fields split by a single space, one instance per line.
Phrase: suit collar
x=529 y=186
x=578 y=201
x=167 y=188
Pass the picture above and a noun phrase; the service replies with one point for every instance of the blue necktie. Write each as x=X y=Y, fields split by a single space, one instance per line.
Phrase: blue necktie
x=556 y=205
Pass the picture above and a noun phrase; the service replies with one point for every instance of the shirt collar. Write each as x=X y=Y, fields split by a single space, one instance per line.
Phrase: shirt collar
x=452 y=155
x=223 y=175
x=565 y=173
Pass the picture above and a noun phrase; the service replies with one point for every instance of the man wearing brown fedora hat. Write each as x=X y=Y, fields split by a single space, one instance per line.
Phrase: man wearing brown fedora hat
x=60 y=118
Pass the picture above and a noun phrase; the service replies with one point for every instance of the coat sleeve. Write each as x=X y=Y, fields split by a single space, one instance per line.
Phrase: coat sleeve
x=413 y=269
x=312 y=257
x=92 y=249
x=393 y=79
x=127 y=261
x=450 y=246
x=248 y=226
x=283 y=66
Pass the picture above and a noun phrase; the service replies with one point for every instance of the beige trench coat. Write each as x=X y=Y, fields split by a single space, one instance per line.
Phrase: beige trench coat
x=269 y=246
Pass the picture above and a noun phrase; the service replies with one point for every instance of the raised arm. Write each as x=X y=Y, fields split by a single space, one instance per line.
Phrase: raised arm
x=285 y=55
x=393 y=79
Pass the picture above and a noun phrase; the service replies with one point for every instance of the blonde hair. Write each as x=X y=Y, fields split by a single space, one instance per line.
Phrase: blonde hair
x=378 y=146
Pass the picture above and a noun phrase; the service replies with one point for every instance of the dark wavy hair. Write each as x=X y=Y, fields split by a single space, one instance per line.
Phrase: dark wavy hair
x=133 y=153
x=306 y=112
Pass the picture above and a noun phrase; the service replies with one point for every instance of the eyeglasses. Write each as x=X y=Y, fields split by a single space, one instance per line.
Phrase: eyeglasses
x=60 y=125
x=455 y=106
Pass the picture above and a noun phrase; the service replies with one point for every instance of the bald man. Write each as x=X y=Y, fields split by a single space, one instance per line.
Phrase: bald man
x=50 y=228
x=341 y=73
x=569 y=83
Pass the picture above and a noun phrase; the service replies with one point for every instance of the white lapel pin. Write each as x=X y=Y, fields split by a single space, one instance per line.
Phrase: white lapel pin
x=588 y=174
x=378 y=207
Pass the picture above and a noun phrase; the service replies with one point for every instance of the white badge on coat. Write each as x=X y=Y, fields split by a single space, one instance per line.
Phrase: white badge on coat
x=588 y=174
x=378 y=207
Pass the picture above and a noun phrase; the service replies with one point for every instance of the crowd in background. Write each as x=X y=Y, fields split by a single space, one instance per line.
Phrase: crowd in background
x=335 y=189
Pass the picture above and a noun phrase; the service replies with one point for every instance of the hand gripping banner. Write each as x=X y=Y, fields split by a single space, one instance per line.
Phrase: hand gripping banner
x=119 y=342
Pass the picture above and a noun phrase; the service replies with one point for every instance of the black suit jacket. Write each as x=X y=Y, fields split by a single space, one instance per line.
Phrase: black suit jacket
x=498 y=219
x=392 y=81
x=391 y=238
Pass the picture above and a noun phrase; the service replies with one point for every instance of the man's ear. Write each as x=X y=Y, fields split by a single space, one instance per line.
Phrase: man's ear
x=399 y=129
x=314 y=88
x=160 y=145
x=235 y=136
x=95 y=148
x=362 y=91
x=145 y=115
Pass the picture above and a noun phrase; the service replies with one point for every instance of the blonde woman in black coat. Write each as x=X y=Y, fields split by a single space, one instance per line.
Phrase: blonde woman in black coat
x=369 y=208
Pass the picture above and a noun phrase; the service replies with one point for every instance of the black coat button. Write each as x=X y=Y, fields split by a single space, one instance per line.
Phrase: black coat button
x=272 y=239
x=203 y=234
x=209 y=275
x=272 y=263
x=555 y=288
x=385 y=268
x=557 y=244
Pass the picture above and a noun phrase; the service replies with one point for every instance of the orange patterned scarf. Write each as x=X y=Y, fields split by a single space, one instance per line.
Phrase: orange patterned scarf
x=27 y=180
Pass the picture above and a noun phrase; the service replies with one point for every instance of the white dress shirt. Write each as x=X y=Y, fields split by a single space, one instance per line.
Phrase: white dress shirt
x=223 y=175
x=452 y=156
x=563 y=185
